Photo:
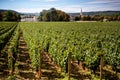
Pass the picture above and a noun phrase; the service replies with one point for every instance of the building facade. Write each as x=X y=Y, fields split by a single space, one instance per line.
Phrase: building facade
x=29 y=18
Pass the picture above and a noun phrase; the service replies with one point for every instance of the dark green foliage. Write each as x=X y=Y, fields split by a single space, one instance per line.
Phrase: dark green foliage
x=53 y=15
x=77 y=18
x=6 y=33
x=86 y=42
x=8 y=15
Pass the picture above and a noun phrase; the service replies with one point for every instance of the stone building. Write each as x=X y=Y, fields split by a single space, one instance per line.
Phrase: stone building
x=29 y=18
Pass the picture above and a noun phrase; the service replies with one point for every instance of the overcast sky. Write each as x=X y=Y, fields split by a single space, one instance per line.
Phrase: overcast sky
x=34 y=6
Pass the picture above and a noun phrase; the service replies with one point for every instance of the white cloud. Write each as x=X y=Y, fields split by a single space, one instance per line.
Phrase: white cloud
x=103 y=1
x=100 y=8
x=38 y=9
x=29 y=10
x=86 y=7
x=77 y=8
x=101 y=5
x=69 y=9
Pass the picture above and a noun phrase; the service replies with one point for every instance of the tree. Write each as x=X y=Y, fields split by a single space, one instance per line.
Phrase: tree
x=9 y=16
x=6 y=15
x=118 y=18
x=53 y=15
x=77 y=18
x=0 y=16
x=18 y=17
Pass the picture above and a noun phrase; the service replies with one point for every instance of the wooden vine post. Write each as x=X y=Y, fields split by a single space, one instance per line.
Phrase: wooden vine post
x=69 y=66
x=101 y=66
x=40 y=64
x=100 y=54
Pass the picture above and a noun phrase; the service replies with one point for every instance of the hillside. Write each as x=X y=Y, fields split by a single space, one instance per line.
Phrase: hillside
x=97 y=13
x=9 y=15
x=3 y=10
x=73 y=14
x=33 y=14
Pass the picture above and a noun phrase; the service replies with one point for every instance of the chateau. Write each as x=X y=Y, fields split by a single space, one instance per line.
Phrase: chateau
x=29 y=18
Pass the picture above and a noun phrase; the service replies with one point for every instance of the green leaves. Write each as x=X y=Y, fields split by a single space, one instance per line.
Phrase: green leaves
x=83 y=41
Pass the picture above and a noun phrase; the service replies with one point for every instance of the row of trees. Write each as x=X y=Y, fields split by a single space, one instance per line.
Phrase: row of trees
x=98 y=18
x=9 y=16
x=53 y=15
x=56 y=15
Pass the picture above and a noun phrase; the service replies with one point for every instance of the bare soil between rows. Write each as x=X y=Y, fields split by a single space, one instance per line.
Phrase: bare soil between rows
x=50 y=71
x=25 y=70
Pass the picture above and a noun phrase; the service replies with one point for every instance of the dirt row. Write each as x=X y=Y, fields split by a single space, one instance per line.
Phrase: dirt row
x=24 y=68
x=50 y=71
x=4 y=71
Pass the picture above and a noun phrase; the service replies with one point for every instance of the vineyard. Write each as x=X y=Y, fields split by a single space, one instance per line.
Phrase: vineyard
x=60 y=50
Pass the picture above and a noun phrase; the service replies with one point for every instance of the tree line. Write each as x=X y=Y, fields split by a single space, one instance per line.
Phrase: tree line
x=8 y=15
x=57 y=15
x=53 y=15
x=98 y=18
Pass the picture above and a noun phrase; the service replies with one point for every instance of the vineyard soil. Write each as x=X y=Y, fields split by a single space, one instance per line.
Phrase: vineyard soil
x=23 y=63
x=25 y=70
x=3 y=64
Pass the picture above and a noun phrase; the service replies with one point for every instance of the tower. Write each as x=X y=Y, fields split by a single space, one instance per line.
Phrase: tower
x=81 y=12
x=81 y=15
